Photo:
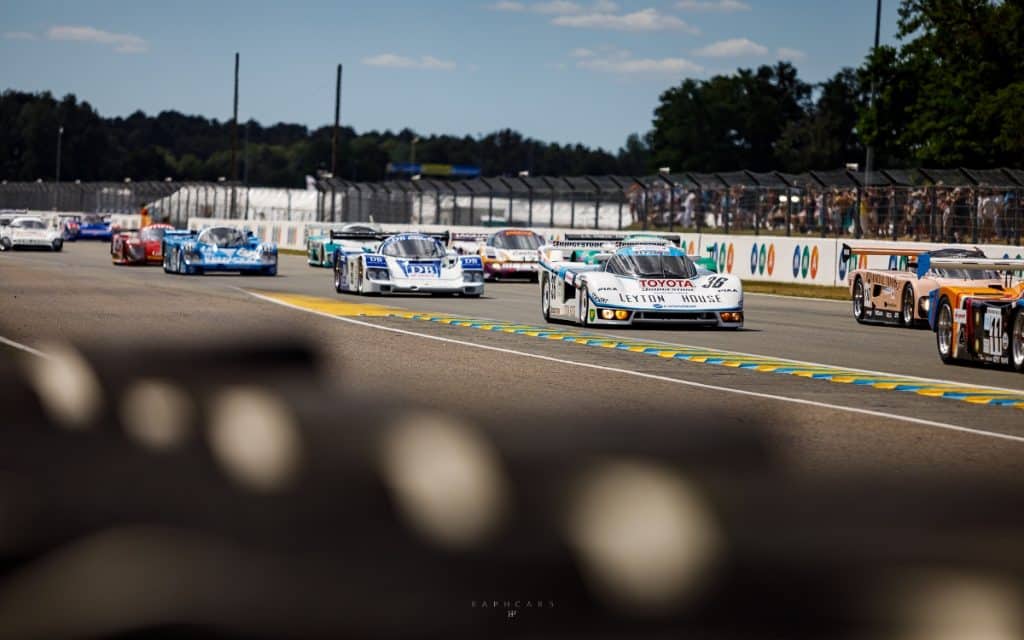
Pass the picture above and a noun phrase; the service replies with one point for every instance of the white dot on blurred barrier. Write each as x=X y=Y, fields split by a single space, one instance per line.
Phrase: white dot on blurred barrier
x=446 y=478
x=156 y=413
x=642 y=534
x=948 y=606
x=253 y=434
x=67 y=386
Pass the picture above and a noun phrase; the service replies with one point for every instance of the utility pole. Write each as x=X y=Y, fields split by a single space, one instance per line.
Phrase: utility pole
x=56 y=191
x=234 y=142
x=334 y=135
x=870 y=159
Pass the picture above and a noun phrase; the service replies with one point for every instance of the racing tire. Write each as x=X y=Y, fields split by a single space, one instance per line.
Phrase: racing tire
x=167 y=262
x=907 y=307
x=6 y=244
x=57 y=245
x=583 y=308
x=944 y=331
x=545 y=299
x=182 y=267
x=858 y=300
x=338 y=278
x=269 y=271
x=1017 y=341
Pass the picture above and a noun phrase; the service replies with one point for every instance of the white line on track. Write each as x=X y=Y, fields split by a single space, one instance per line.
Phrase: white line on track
x=24 y=347
x=651 y=376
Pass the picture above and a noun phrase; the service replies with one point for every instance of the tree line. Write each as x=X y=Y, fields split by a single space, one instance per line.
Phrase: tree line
x=951 y=93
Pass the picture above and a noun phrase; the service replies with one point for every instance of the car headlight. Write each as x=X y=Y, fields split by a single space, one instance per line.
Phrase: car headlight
x=472 y=276
x=378 y=274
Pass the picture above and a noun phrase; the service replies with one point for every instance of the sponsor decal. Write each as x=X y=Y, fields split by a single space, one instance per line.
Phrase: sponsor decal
x=641 y=298
x=771 y=258
x=694 y=298
x=995 y=338
x=715 y=283
x=761 y=258
x=472 y=262
x=960 y=316
x=593 y=314
x=422 y=269
x=796 y=261
x=814 y=263
x=728 y=259
x=376 y=261
x=805 y=262
x=692 y=249
x=753 y=260
x=663 y=284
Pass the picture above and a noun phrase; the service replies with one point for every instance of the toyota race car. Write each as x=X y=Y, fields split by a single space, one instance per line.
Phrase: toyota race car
x=637 y=283
x=96 y=227
x=408 y=263
x=218 y=249
x=139 y=246
x=358 y=236
x=509 y=253
x=901 y=294
x=30 y=231
x=979 y=323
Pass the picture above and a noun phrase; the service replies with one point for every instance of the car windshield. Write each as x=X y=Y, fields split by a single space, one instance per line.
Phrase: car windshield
x=414 y=248
x=28 y=224
x=517 y=241
x=223 y=237
x=153 y=233
x=663 y=265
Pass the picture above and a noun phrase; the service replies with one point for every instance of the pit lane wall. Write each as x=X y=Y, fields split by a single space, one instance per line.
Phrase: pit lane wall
x=796 y=259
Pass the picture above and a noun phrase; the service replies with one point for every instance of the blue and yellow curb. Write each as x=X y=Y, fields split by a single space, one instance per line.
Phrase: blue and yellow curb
x=890 y=382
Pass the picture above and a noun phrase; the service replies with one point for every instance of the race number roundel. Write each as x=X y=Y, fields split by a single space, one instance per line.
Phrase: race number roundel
x=761 y=258
x=805 y=262
x=728 y=259
x=771 y=258
x=814 y=263
x=796 y=261
x=753 y=260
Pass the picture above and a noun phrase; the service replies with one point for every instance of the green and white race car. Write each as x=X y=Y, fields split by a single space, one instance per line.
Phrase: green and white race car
x=320 y=249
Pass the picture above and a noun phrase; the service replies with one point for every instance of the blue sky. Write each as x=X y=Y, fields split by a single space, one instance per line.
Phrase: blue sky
x=587 y=71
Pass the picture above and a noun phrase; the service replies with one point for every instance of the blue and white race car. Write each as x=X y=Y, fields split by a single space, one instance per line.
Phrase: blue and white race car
x=96 y=227
x=408 y=263
x=635 y=282
x=218 y=249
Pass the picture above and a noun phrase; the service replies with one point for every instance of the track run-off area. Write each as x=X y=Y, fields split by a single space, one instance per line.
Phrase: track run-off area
x=832 y=394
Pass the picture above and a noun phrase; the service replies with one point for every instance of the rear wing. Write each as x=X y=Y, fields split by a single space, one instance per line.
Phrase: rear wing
x=178 y=234
x=849 y=251
x=928 y=262
x=469 y=236
x=359 y=235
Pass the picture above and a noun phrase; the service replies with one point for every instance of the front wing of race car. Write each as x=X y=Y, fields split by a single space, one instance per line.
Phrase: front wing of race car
x=377 y=274
x=597 y=298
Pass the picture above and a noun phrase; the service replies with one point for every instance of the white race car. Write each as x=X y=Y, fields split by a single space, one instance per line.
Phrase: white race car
x=30 y=231
x=408 y=263
x=635 y=283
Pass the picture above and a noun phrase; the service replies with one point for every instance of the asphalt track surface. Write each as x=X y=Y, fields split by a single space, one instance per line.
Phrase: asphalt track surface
x=815 y=425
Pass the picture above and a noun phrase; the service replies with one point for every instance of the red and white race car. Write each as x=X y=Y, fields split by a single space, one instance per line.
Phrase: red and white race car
x=139 y=246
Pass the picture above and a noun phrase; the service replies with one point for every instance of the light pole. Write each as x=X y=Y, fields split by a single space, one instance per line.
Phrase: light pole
x=869 y=160
x=56 y=191
x=412 y=150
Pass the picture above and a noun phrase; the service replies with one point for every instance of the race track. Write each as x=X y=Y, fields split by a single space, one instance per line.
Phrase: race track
x=481 y=357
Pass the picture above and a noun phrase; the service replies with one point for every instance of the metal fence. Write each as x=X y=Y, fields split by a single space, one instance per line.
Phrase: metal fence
x=948 y=205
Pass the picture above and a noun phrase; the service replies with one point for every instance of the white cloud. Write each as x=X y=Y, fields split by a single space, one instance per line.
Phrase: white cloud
x=621 y=61
x=733 y=48
x=582 y=53
x=557 y=7
x=708 y=6
x=785 y=53
x=395 y=61
x=122 y=42
x=19 y=35
x=643 y=20
x=508 y=5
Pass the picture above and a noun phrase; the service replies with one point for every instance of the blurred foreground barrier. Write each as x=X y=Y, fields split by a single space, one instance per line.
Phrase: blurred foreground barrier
x=232 y=490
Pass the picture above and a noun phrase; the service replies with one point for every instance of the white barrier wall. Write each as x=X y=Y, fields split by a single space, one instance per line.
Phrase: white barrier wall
x=795 y=259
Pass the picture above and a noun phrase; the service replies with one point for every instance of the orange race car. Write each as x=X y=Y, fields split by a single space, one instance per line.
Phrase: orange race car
x=900 y=294
x=979 y=323
x=139 y=246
